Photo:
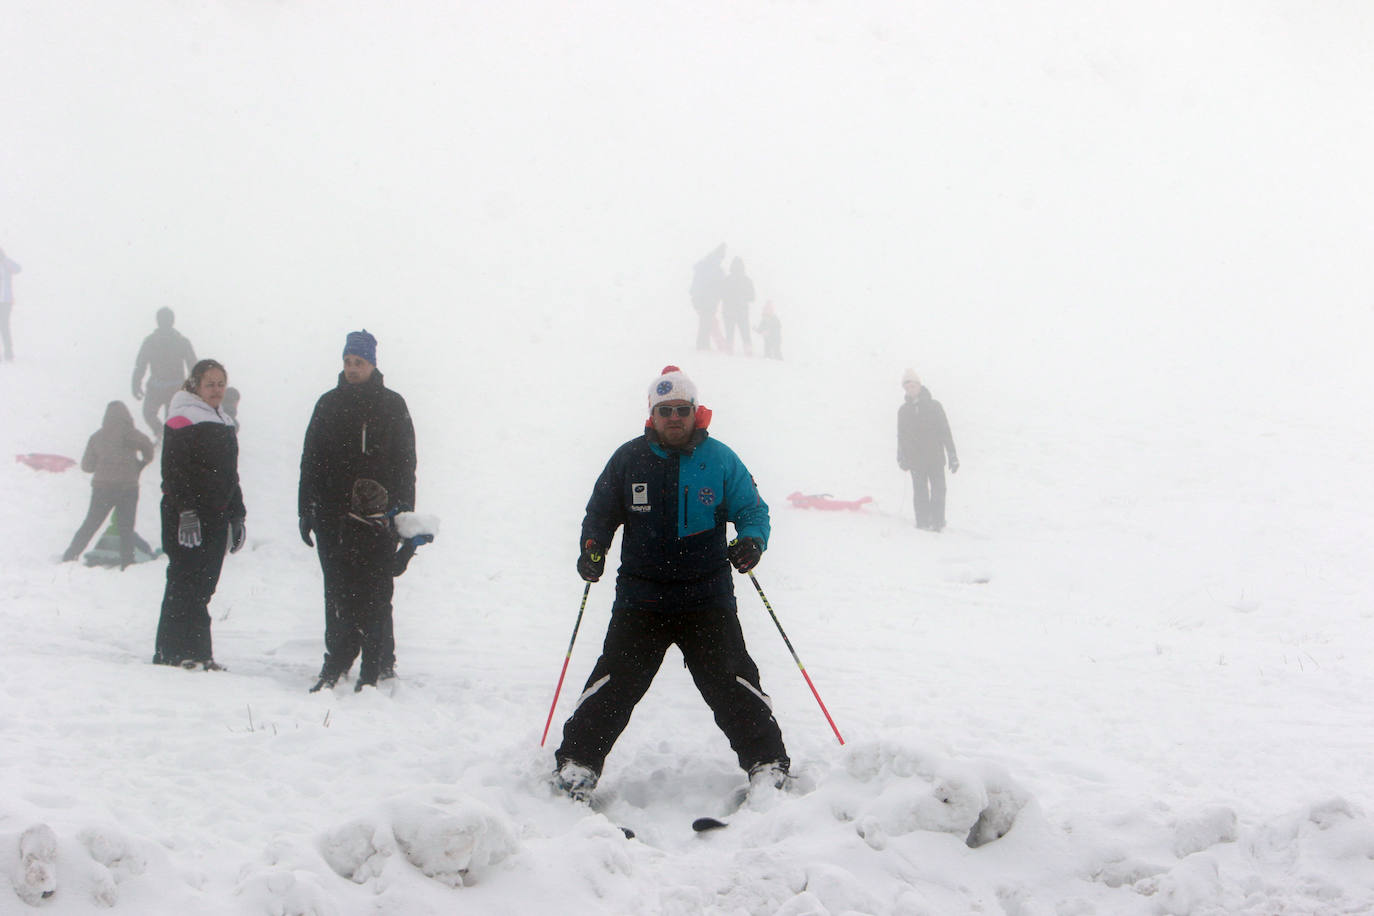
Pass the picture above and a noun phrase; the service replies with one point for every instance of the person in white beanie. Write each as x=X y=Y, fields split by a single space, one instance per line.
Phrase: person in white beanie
x=923 y=442
x=673 y=489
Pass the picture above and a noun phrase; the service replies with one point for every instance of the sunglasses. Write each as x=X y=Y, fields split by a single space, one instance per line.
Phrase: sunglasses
x=682 y=410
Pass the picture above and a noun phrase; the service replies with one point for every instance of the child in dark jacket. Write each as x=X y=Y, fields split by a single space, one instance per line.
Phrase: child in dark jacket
x=115 y=455
x=770 y=328
x=375 y=553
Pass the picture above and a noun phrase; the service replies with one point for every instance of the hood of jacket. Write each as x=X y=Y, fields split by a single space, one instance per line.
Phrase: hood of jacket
x=189 y=408
x=117 y=418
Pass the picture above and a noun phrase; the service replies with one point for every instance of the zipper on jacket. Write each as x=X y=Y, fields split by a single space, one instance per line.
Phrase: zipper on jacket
x=364 y=437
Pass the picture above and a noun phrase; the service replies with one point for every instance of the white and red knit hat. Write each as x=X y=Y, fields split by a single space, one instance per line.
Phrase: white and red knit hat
x=672 y=384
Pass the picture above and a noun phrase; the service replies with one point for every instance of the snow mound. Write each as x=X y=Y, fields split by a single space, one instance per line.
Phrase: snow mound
x=35 y=876
x=900 y=788
x=452 y=845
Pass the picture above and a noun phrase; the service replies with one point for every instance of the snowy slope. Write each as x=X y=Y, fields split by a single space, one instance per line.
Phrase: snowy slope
x=1125 y=247
x=1174 y=713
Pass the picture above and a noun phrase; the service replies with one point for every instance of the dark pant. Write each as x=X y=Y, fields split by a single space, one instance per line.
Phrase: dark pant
x=928 y=486
x=357 y=612
x=713 y=647
x=5 y=329
x=183 y=632
x=123 y=499
x=156 y=396
x=706 y=325
x=737 y=319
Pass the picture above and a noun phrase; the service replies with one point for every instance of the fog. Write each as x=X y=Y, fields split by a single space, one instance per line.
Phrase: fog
x=1082 y=194
x=1126 y=245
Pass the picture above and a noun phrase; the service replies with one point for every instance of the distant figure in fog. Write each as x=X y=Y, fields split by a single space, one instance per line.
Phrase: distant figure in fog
x=923 y=441
x=770 y=329
x=167 y=357
x=737 y=292
x=708 y=280
x=115 y=454
x=8 y=269
x=230 y=406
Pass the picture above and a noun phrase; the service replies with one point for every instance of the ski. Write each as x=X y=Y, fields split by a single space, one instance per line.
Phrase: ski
x=703 y=824
x=588 y=801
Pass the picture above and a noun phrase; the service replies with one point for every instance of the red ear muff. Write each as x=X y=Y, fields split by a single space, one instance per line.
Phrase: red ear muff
x=703 y=416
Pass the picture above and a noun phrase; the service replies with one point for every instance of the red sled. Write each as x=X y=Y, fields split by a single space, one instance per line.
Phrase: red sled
x=41 y=462
x=825 y=501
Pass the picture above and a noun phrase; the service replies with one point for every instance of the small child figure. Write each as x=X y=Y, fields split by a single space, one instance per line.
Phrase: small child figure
x=770 y=329
x=369 y=540
x=115 y=455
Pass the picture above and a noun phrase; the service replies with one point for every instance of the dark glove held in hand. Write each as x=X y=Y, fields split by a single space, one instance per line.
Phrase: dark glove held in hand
x=592 y=563
x=745 y=553
x=238 y=533
x=188 y=529
x=307 y=523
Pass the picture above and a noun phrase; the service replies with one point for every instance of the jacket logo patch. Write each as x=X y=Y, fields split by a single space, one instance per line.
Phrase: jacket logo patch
x=639 y=494
x=707 y=496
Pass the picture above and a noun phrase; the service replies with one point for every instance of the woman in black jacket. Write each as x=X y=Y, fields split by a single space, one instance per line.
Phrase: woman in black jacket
x=202 y=513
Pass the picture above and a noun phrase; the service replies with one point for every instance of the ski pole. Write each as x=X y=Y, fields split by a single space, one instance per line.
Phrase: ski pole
x=778 y=624
x=566 y=659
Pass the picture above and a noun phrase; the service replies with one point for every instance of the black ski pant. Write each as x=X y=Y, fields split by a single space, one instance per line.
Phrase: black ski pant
x=357 y=613
x=928 y=496
x=183 y=631
x=123 y=499
x=712 y=644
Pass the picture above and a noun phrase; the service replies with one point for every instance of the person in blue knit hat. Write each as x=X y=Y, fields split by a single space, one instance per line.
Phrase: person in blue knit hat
x=360 y=431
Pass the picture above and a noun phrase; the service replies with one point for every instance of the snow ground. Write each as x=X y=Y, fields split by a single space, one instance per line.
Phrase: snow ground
x=1125 y=245
x=1172 y=717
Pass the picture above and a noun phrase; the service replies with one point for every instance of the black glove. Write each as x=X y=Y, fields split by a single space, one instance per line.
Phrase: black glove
x=237 y=534
x=592 y=563
x=307 y=522
x=745 y=553
x=188 y=529
x=953 y=465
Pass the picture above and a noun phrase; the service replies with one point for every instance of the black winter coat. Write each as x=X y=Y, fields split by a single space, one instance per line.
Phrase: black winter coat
x=923 y=436
x=357 y=431
x=200 y=459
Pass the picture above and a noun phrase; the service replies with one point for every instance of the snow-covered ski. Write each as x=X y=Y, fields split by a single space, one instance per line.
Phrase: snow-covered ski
x=589 y=801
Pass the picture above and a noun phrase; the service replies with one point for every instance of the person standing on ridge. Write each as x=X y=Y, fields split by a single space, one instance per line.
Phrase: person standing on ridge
x=170 y=357
x=770 y=329
x=360 y=431
x=737 y=292
x=8 y=269
x=673 y=489
x=923 y=442
x=708 y=279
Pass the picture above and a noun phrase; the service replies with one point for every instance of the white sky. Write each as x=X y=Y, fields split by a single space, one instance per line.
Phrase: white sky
x=1086 y=191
